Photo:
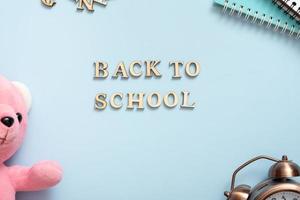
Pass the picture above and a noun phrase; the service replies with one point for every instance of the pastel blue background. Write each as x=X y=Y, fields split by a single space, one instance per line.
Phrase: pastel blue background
x=247 y=97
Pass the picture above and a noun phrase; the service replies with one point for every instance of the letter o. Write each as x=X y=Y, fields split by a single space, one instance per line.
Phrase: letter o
x=150 y=98
x=175 y=100
x=188 y=69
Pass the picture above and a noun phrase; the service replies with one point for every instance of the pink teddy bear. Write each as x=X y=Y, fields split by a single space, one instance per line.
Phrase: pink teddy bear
x=15 y=102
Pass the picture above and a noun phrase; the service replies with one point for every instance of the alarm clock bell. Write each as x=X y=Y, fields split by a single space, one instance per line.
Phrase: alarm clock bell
x=278 y=186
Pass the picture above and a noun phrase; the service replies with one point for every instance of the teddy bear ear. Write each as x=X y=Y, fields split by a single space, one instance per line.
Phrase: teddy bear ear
x=25 y=93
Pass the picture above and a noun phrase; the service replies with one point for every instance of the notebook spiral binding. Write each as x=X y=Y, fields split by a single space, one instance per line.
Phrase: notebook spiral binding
x=291 y=7
x=261 y=19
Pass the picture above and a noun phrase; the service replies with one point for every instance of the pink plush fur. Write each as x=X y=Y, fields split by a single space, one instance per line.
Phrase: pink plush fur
x=13 y=122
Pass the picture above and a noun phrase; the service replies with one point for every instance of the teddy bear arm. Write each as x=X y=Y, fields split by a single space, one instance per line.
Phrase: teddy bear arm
x=41 y=176
x=19 y=177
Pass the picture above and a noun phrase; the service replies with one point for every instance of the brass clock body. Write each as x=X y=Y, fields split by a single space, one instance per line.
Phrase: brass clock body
x=269 y=187
x=279 y=186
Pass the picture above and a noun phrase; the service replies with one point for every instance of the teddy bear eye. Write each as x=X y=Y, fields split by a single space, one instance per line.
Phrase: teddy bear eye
x=19 y=116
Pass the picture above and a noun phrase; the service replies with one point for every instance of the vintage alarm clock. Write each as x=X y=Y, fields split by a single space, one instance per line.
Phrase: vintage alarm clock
x=279 y=186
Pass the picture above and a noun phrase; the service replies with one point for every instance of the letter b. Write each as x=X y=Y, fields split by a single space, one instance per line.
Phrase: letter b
x=101 y=70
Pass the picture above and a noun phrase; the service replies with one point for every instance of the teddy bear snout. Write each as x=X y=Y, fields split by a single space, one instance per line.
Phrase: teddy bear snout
x=7 y=121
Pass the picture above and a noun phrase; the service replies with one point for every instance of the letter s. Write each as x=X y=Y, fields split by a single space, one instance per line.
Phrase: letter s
x=100 y=101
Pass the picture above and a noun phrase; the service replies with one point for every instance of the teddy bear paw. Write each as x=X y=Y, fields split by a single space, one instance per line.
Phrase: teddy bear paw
x=46 y=173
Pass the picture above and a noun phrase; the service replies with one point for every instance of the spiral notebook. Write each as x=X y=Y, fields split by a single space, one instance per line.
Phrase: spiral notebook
x=291 y=7
x=263 y=12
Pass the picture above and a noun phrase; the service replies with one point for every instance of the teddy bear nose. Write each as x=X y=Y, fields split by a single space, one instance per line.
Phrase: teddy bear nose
x=7 y=121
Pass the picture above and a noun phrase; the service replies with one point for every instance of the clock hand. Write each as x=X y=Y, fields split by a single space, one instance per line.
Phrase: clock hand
x=283 y=197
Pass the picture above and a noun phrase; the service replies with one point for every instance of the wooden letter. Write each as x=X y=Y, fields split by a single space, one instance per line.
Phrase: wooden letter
x=150 y=100
x=175 y=100
x=139 y=101
x=113 y=98
x=88 y=4
x=101 y=70
x=132 y=72
x=185 y=101
x=188 y=69
x=121 y=69
x=100 y=101
x=176 y=65
x=49 y=3
x=151 y=68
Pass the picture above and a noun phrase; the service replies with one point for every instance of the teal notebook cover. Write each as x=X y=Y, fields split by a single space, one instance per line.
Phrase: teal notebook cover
x=263 y=12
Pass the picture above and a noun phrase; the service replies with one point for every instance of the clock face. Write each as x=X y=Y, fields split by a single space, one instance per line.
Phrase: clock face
x=284 y=195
